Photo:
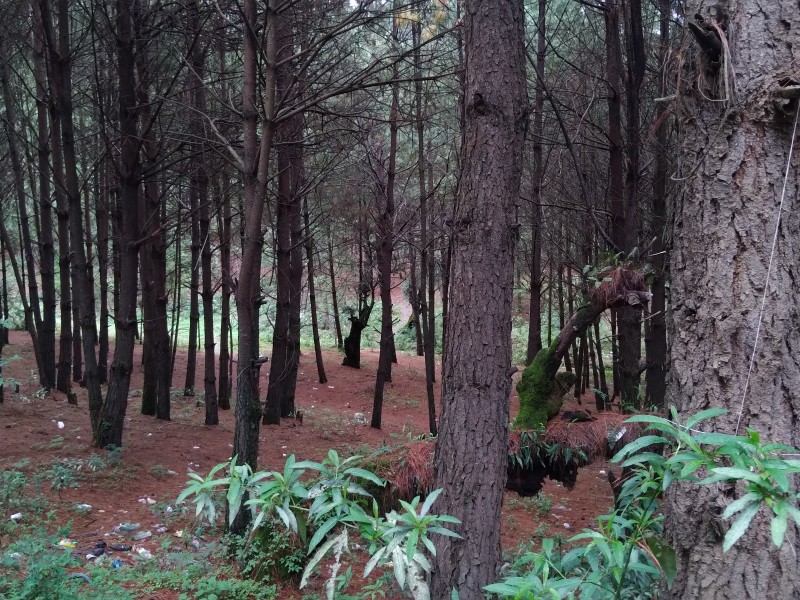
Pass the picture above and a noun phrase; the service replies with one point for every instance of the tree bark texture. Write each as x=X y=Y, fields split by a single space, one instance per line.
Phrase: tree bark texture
x=222 y=196
x=535 y=313
x=735 y=152
x=656 y=337
x=312 y=293
x=33 y=314
x=255 y=159
x=285 y=357
x=60 y=76
x=47 y=335
x=108 y=430
x=384 y=198
x=470 y=460
x=424 y=295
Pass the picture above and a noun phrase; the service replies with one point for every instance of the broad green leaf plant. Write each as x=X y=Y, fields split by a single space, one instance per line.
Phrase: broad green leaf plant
x=626 y=557
x=331 y=504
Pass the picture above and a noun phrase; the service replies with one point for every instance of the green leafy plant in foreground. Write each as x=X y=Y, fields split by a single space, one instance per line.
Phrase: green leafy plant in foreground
x=626 y=556
x=333 y=505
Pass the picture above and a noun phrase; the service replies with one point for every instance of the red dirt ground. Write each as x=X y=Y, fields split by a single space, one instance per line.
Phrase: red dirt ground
x=29 y=427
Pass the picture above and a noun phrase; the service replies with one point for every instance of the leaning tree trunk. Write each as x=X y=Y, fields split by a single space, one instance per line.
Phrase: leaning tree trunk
x=535 y=387
x=738 y=130
x=470 y=461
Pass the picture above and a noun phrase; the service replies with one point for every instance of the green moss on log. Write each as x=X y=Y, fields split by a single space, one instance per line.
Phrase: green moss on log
x=541 y=389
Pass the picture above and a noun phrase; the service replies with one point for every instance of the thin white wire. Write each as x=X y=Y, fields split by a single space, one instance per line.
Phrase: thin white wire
x=769 y=272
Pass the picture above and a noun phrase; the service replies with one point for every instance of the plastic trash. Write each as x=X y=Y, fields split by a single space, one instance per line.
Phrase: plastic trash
x=116 y=563
x=141 y=535
x=16 y=517
x=83 y=507
x=144 y=553
x=67 y=543
x=119 y=547
x=126 y=527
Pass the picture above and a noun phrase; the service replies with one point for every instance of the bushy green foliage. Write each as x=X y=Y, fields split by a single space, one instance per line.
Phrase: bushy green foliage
x=325 y=511
x=626 y=557
x=35 y=567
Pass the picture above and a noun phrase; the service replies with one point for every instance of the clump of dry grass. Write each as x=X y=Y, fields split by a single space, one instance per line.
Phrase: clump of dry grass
x=590 y=437
x=562 y=448
x=616 y=284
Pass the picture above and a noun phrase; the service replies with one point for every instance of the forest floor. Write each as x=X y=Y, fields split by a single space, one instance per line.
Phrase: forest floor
x=40 y=430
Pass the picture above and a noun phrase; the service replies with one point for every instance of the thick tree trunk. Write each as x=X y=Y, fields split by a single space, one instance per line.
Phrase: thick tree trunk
x=630 y=322
x=470 y=460
x=255 y=158
x=734 y=157
x=352 y=343
x=111 y=422
x=3 y=293
x=285 y=356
